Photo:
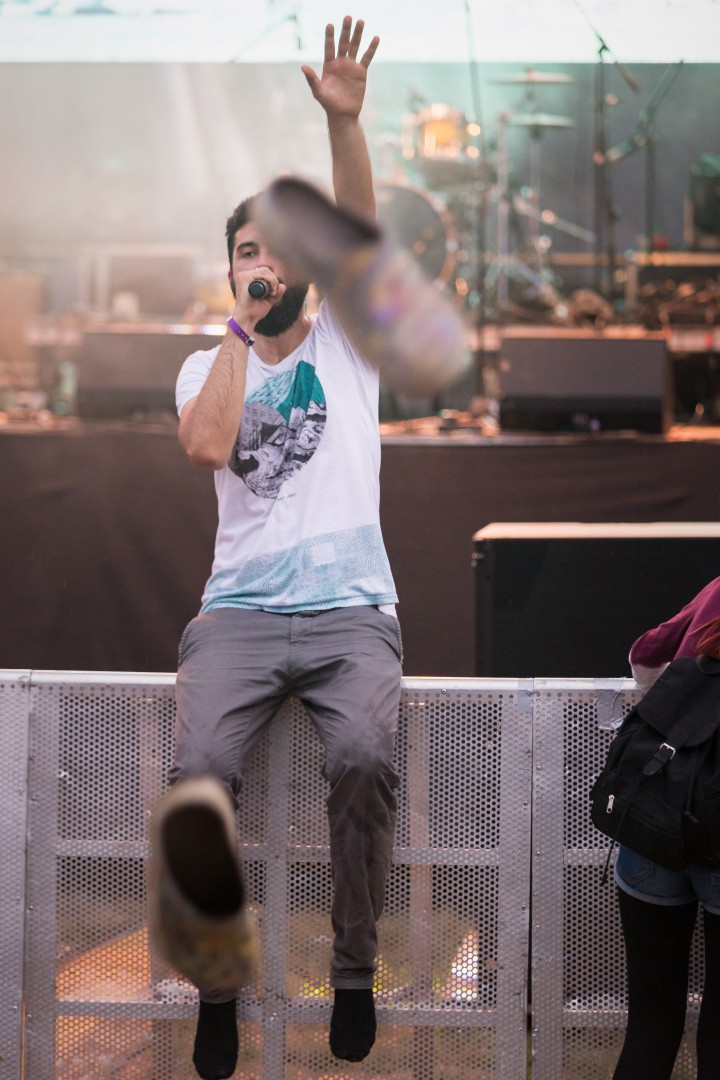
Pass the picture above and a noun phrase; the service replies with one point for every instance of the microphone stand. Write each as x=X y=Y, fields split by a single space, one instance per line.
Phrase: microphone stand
x=479 y=388
x=605 y=212
x=644 y=137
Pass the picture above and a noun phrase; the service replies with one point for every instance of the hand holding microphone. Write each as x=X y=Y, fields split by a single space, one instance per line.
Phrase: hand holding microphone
x=254 y=296
x=257 y=283
x=258 y=289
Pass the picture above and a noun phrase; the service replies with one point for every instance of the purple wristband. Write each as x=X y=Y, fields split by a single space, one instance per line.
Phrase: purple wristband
x=237 y=329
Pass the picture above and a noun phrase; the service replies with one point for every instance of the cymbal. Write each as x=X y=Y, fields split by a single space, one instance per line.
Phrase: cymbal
x=531 y=77
x=539 y=120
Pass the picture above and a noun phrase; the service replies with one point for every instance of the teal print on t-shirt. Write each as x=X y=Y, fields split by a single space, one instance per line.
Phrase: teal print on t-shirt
x=283 y=422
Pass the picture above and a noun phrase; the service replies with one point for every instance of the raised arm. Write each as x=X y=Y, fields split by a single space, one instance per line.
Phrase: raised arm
x=340 y=89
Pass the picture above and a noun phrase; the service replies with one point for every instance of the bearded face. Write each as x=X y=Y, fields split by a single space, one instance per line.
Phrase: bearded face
x=281 y=316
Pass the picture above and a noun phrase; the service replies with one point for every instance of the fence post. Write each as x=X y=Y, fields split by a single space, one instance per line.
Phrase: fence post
x=46 y=696
x=14 y=724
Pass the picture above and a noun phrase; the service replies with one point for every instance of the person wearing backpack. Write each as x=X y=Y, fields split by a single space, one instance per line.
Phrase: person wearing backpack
x=658 y=907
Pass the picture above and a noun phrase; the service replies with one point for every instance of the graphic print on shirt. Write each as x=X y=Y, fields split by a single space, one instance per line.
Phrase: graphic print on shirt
x=283 y=422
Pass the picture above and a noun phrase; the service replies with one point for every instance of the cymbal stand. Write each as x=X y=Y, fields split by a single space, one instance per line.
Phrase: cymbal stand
x=530 y=106
x=505 y=265
x=496 y=274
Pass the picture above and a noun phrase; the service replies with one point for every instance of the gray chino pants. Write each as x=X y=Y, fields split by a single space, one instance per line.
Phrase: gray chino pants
x=236 y=667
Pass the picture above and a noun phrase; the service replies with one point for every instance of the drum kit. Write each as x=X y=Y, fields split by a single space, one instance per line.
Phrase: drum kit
x=464 y=217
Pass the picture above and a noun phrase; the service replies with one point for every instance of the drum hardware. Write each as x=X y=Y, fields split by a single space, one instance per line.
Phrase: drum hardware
x=549 y=217
x=505 y=265
x=533 y=265
x=530 y=77
x=421 y=225
x=386 y=147
x=439 y=141
x=536 y=120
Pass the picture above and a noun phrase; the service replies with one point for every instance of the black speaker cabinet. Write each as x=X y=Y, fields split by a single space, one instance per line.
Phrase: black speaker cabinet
x=129 y=369
x=567 y=600
x=584 y=380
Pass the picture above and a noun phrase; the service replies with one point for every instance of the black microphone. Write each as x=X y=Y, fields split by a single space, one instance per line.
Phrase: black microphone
x=258 y=289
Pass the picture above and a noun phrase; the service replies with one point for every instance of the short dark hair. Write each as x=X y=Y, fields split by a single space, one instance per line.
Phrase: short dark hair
x=239 y=217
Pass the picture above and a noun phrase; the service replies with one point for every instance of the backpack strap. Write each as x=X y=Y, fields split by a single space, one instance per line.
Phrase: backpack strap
x=664 y=753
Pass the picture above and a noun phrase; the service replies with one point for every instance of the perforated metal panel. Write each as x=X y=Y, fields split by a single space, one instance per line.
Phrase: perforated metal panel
x=14 y=710
x=451 y=981
x=578 y=960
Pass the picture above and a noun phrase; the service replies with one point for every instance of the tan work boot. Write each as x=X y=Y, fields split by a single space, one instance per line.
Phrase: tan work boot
x=196 y=895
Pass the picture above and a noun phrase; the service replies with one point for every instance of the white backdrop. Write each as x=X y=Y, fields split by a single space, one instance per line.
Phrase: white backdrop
x=649 y=31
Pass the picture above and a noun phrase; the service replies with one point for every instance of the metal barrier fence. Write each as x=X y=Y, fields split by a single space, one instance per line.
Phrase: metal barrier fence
x=495 y=775
x=578 y=964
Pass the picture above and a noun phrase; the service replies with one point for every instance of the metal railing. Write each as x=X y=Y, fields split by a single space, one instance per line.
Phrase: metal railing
x=495 y=778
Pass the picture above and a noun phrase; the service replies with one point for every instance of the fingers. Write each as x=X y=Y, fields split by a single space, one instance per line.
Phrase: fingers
x=349 y=42
x=355 y=39
x=250 y=309
x=344 y=39
x=329 y=43
x=312 y=79
x=263 y=273
x=370 y=52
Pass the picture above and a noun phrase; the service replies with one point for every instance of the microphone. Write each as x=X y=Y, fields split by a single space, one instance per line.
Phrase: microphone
x=258 y=289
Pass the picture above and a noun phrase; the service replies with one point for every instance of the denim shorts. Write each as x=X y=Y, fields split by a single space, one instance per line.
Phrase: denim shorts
x=646 y=880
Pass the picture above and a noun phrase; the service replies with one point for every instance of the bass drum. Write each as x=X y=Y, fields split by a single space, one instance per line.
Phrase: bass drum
x=420 y=225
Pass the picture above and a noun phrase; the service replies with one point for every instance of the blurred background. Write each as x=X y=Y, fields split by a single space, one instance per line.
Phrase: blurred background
x=130 y=130
x=554 y=167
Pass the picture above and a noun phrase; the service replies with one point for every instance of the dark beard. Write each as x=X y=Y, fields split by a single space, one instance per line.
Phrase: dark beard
x=281 y=317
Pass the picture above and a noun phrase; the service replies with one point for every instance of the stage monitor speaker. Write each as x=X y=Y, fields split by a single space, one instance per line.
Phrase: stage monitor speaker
x=705 y=193
x=123 y=371
x=584 y=381
x=567 y=600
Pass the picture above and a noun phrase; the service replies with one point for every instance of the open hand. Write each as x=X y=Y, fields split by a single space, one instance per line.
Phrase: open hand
x=340 y=89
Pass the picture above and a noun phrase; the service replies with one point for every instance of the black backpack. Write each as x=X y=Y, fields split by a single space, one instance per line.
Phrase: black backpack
x=659 y=790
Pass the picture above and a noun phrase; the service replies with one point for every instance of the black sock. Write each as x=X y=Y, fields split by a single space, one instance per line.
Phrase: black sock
x=352 y=1025
x=216 y=1041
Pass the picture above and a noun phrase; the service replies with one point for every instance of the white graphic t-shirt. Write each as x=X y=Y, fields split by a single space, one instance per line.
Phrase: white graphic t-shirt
x=298 y=501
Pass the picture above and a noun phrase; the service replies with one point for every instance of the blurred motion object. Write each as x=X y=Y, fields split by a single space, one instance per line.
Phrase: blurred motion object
x=197 y=901
x=419 y=224
x=394 y=314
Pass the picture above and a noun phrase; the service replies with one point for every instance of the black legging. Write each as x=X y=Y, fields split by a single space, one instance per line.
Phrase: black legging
x=657 y=948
